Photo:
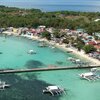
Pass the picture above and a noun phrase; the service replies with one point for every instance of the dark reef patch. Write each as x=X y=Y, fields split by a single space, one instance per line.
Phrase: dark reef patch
x=33 y=64
x=1 y=52
x=22 y=89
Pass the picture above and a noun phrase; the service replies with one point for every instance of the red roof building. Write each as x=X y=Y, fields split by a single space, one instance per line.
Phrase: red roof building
x=92 y=43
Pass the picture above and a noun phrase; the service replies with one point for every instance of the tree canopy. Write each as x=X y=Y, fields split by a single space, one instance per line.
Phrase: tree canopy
x=11 y=16
x=89 y=48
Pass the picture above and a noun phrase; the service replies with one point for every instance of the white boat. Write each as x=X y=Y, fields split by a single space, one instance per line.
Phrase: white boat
x=69 y=51
x=31 y=52
x=89 y=76
x=94 y=69
x=54 y=90
x=52 y=47
x=43 y=44
x=71 y=58
x=77 y=60
x=3 y=85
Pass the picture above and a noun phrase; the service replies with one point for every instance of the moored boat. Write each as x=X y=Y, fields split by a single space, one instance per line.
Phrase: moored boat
x=3 y=85
x=31 y=52
x=89 y=76
x=54 y=90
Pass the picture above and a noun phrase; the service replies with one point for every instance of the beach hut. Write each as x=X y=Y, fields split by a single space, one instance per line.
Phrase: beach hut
x=92 y=43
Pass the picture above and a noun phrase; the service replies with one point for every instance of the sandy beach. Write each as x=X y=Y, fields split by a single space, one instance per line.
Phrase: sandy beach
x=94 y=62
x=81 y=54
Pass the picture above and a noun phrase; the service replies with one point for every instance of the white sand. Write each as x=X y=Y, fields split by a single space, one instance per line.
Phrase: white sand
x=81 y=54
x=93 y=61
x=63 y=47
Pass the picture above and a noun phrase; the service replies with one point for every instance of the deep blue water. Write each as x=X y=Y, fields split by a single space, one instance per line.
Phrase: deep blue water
x=54 y=5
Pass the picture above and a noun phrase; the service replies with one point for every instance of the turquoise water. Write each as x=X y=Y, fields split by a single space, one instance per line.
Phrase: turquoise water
x=14 y=54
x=77 y=89
x=29 y=86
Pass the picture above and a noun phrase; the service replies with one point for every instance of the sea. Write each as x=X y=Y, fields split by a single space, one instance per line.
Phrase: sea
x=30 y=85
x=54 y=5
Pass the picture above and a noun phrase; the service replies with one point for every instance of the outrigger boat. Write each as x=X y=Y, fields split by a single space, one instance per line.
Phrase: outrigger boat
x=71 y=59
x=89 y=76
x=74 y=60
x=43 y=44
x=54 y=90
x=94 y=70
x=3 y=85
x=31 y=52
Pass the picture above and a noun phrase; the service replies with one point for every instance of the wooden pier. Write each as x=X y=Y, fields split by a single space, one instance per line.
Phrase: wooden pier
x=52 y=68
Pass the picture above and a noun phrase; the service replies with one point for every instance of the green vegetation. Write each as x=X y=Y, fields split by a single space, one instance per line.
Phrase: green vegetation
x=89 y=48
x=10 y=16
x=46 y=35
x=79 y=44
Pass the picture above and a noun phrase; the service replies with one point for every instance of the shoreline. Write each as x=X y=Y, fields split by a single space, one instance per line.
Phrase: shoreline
x=44 y=8
x=64 y=48
x=75 y=52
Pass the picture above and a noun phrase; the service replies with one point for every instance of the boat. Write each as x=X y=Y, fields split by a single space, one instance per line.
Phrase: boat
x=53 y=47
x=77 y=61
x=69 y=51
x=89 y=76
x=31 y=52
x=71 y=58
x=54 y=90
x=94 y=69
x=3 y=85
x=42 y=45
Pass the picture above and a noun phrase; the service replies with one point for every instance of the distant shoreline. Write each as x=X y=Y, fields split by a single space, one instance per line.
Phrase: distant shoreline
x=57 y=8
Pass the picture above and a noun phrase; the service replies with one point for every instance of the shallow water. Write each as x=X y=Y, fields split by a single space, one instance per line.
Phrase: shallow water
x=77 y=89
x=14 y=54
x=29 y=86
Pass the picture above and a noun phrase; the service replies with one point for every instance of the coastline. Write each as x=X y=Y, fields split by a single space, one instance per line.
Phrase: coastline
x=55 y=7
x=63 y=47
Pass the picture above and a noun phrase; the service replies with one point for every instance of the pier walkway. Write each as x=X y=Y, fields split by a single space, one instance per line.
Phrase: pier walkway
x=50 y=68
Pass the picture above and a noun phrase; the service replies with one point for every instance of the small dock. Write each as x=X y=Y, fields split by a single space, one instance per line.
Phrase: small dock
x=50 y=68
